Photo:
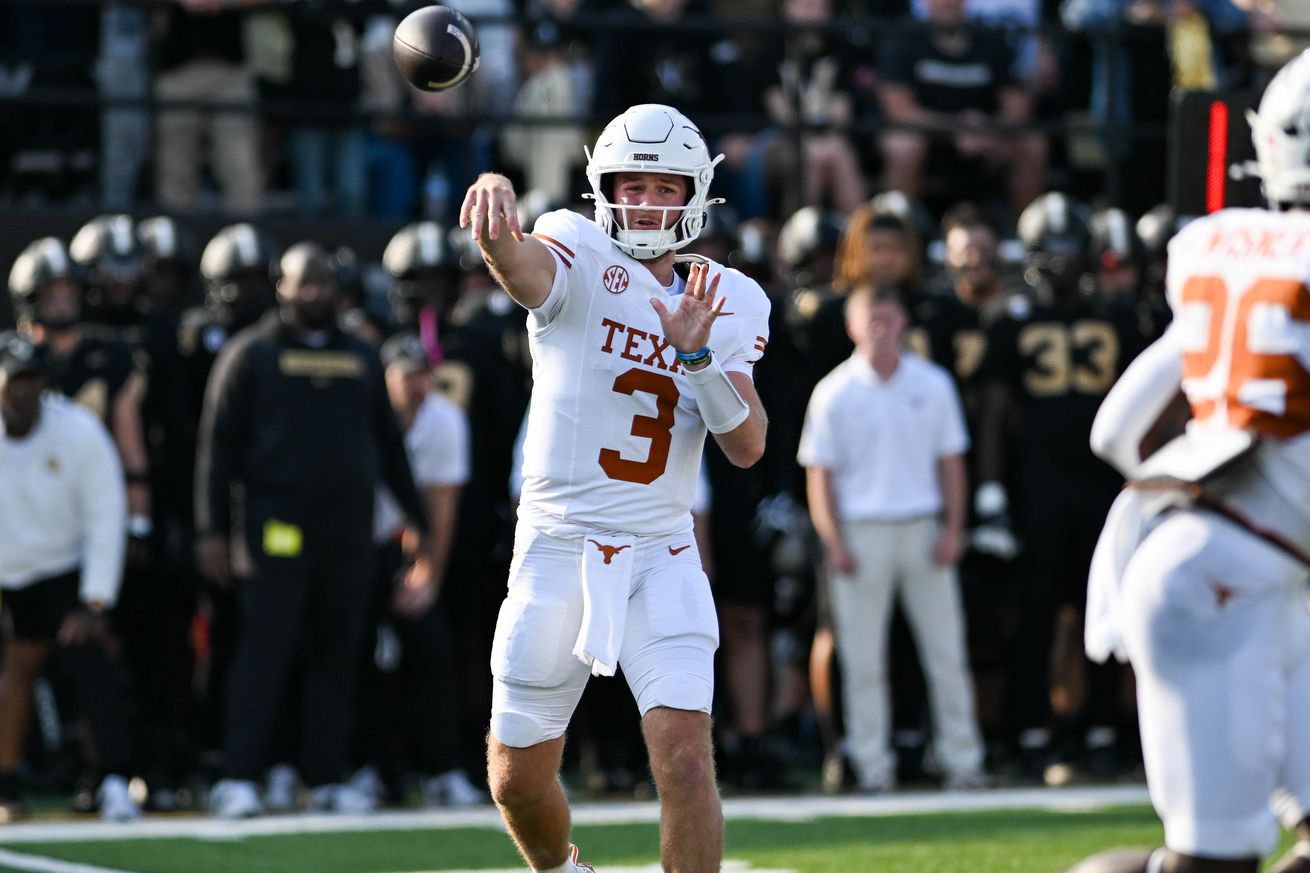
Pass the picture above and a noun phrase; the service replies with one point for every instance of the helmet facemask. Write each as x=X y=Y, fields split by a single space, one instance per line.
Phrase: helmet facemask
x=651 y=138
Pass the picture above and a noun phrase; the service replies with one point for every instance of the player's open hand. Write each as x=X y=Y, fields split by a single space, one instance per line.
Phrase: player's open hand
x=687 y=328
x=491 y=208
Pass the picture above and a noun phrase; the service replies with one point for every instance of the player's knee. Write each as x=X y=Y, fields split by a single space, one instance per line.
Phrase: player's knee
x=518 y=730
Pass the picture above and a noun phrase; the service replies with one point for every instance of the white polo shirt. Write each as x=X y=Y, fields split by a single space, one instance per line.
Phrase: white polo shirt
x=63 y=503
x=882 y=438
x=437 y=444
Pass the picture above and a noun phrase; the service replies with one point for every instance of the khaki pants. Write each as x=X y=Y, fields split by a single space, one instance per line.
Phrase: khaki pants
x=897 y=558
x=233 y=137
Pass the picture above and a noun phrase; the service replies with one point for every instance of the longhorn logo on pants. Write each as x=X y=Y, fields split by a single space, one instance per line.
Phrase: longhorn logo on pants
x=608 y=551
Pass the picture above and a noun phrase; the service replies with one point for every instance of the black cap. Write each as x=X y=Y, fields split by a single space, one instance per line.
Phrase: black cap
x=405 y=349
x=19 y=355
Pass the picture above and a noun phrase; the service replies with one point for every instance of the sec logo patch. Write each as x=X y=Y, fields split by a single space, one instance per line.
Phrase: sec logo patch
x=616 y=279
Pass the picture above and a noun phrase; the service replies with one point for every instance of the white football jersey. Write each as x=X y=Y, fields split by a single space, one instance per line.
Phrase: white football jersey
x=614 y=435
x=1237 y=284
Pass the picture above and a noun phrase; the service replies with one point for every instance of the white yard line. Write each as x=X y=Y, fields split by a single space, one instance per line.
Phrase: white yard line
x=36 y=864
x=794 y=808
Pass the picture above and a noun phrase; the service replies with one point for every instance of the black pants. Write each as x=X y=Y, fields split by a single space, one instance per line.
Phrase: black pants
x=307 y=610
x=36 y=612
x=1059 y=528
x=419 y=707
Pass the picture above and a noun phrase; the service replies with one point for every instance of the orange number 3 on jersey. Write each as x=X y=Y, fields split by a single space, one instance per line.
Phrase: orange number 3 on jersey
x=1250 y=368
x=659 y=429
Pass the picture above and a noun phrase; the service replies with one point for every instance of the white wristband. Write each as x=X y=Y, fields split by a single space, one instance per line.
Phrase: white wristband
x=721 y=407
x=990 y=499
x=139 y=526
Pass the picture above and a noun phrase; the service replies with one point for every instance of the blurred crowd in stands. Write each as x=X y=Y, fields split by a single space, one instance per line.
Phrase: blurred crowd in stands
x=911 y=148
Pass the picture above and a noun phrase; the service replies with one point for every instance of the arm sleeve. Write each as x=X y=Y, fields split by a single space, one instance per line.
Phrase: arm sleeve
x=817 y=448
x=561 y=232
x=224 y=424
x=392 y=458
x=103 y=499
x=750 y=327
x=1136 y=401
x=442 y=454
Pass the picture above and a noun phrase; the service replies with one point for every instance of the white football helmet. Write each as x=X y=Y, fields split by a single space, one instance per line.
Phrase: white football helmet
x=1281 y=133
x=651 y=138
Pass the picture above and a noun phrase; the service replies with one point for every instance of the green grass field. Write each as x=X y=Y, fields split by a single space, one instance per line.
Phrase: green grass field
x=985 y=842
x=1002 y=841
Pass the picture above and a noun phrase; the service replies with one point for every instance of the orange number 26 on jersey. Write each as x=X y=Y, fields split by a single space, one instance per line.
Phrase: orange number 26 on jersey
x=1252 y=367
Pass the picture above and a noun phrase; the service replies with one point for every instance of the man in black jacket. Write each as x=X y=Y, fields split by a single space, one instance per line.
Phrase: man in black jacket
x=297 y=413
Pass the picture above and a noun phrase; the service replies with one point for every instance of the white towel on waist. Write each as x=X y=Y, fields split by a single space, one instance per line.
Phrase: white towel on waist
x=607 y=563
x=1129 y=520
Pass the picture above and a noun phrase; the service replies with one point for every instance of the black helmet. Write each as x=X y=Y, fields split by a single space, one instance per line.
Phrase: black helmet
x=424 y=264
x=163 y=240
x=238 y=266
x=238 y=250
x=912 y=213
x=43 y=261
x=109 y=253
x=809 y=231
x=104 y=241
x=1056 y=233
x=1156 y=227
x=417 y=248
x=1114 y=240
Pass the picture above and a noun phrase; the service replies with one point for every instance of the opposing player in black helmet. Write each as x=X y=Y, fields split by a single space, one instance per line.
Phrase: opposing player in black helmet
x=237 y=266
x=1117 y=252
x=425 y=281
x=1052 y=361
x=87 y=363
x=109 y=253
x=168 y=261
x=1120 y=261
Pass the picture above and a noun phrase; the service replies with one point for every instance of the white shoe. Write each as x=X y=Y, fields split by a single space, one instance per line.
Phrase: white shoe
x=116 y=803
x=282 y=789
x=452 y=789
x=234 y=798
x=367 y=781
x=341 y=799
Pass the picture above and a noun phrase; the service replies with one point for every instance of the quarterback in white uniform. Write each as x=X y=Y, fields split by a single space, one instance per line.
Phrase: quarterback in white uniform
x=1202 y=571
x=637 y=352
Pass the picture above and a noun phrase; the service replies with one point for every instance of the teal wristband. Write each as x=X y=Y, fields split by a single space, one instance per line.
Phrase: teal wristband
x=694 y=357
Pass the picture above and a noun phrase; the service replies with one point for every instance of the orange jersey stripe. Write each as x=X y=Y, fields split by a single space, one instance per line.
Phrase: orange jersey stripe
x=568 y=251
x=559 y=254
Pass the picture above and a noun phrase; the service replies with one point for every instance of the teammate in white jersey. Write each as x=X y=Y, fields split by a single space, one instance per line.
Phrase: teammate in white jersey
x=1202 y=571
x=636 y=352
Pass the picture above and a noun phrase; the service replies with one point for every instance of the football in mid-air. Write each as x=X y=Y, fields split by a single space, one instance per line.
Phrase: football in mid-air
x=436 y=48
